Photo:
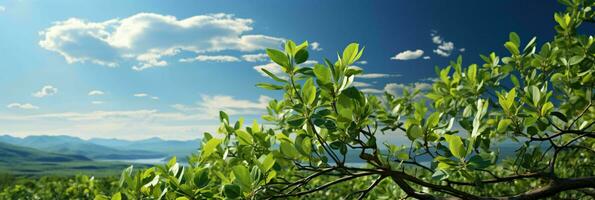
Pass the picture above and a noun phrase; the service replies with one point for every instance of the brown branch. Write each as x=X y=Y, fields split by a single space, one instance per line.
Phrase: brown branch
x=556 y=187
x=322 y=187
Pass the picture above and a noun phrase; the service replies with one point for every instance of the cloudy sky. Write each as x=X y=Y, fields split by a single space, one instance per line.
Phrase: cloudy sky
x=131 y=69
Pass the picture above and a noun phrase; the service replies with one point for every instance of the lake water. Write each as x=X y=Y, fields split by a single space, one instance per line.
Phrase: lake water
x=151 y=161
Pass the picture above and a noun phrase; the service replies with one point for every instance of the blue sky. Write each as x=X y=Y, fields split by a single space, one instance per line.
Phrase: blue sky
x=131 y=69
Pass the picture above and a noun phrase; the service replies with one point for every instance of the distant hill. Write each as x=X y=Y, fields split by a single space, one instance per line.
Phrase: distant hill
x=77 y=146
x=177 y=148
x=16 y=154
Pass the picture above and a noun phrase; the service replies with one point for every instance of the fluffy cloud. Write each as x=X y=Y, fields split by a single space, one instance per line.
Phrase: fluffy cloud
x=24 y=106
x=211 y=105
x=426 y=57
x=261 y=57
x=444 y=48
x=148 y=38
x=361 y=84
x=97 y=102
x=363 y=62
x=315 y=46
x=145 y=95
x=372 y=91
x=47 y=90
x=217 y=58
x=408 y=55
x=95 y=93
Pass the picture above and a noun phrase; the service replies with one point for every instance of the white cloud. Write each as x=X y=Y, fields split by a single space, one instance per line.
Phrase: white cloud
x=376 y=75
x=47 y=90
x=462 y=49
x=372 y=91
x=132 y=124
x=97 y=102
x=145 y=95
x=261 y=57
x=444 y=48
x=361 y=84
x=408 y=55
x=211 y=105
x=315 y=46
x=148 y=38
x=24 y=106
x=363 y=62
x=95 y=93
x=217 y=58
x=426 y=57
x=436 y=39
x=2 y=9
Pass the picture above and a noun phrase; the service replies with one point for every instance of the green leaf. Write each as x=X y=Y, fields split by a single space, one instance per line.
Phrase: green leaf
x=503 y=124
x=182 y=198
x=296 y=121
x=290 y=47
x=268 y=162
x=210 y=147
x=512 y=48
x=560 y=116
x=288 y=150
x=323 y=73
x=126 y=173
x=223 y=117
x=273 y=76
x=244 y=137
x=202 y=180
x=414 y=132
x=514 y=38
x=242 y=174
x=350 y=53
x=546 y=108
x=278 y=57
x=455 y=145
x=117 y=196
x=576 y=59
x=433 y=120
x=303 y=144
x=309 y=92
x=301 y=56
x=536 y=94
x=472 y=73
x=231 y=191
x=269 y=86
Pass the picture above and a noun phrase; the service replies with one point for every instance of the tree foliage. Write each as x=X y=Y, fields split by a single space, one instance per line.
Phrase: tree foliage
x=538 y=98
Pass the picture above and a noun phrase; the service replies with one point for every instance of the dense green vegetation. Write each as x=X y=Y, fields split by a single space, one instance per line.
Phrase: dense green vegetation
x=538 y=97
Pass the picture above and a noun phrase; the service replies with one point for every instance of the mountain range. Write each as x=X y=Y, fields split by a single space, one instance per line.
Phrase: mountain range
x=106 y=149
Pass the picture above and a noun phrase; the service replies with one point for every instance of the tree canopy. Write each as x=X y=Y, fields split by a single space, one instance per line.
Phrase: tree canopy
x=537 y=98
